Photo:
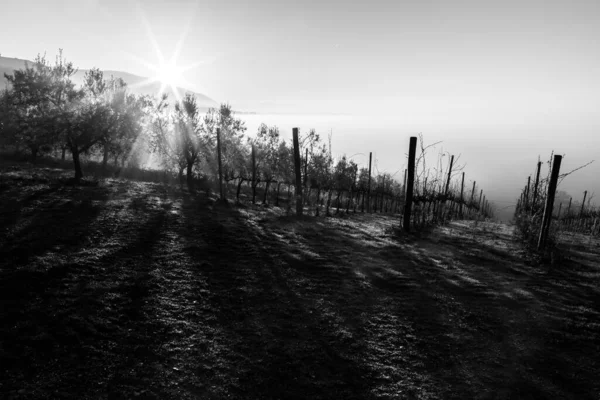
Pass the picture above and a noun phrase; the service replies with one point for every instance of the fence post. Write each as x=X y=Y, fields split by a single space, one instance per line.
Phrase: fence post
x=549 y=202
x=471 y=202
x=535 y=187
x=369 y=185
x=410 y=183
x=482 y=209
x=443 y=208
x=582 y=204
x=254 y=184
x=462 y=188
x=298 y=170
x=220 y=164
x=527 y=192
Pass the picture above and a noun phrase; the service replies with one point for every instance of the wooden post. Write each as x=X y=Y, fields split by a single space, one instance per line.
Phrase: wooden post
x=298 y=169
x=549 y=202
x=443 y=208
x=254 y=184
x=449 y=173
x=462 y=188
x=527 y=192
x=482 y=209
x=480 y=194
x=535 y=187
x=220 y=164
x=471 y=202
x=582 y=204
x=369 y=185
x=559 y=208
x=410 y=183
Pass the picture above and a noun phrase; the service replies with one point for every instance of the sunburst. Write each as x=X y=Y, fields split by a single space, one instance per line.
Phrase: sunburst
x=168 y=72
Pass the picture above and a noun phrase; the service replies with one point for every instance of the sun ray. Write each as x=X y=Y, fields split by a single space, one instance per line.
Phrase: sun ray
x=149 y=32
x=168 y=72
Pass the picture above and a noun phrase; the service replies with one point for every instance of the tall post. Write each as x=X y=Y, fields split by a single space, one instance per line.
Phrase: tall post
x=482 y=210
x=537 y=182
x=480 y=195
x=220 y=164
x=412 y=151
x=559 y=208
x=527 y=192
x=471 y=202
x=549 y=202
x=443 y=207
x=298 y=172
x=462 y=188
x=369 y=185
x=449 y=176
x=582 y=204
x=254 y=184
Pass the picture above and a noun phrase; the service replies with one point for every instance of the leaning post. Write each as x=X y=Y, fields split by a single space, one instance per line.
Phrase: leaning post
x=549 y=202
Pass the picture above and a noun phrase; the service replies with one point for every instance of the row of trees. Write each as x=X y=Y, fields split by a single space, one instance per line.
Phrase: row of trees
x=42 y=110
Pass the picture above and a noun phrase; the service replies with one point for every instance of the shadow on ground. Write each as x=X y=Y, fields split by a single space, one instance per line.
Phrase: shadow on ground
x=133 y=290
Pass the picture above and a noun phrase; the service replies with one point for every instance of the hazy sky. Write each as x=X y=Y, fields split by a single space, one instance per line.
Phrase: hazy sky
x=424 y=57
x=496 y=78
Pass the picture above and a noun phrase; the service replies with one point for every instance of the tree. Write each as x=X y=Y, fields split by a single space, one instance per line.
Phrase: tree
x=31 y=107
x=8 y=127
x=232 y=130
x=267 y=142
x=163 y=139
x=189 y=133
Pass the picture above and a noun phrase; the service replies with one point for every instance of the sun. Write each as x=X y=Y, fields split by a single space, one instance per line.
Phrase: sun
x=169 y=73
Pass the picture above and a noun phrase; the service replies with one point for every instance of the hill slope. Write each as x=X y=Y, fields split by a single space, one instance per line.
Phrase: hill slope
x=132 y=289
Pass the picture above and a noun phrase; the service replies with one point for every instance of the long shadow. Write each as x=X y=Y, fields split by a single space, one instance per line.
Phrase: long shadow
x=11 y=207
x=59 y=325
x=279 y=346
x=465 y=332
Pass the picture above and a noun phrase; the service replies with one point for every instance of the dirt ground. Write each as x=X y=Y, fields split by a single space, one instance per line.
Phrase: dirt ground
x=135 y=290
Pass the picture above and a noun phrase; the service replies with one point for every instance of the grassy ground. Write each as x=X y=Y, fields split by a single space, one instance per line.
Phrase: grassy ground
x=134 y=290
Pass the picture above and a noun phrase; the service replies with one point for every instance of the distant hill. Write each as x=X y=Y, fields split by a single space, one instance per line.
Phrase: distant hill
x=8 y=65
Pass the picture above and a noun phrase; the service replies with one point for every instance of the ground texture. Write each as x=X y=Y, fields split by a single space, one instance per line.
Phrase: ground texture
x=135 y=290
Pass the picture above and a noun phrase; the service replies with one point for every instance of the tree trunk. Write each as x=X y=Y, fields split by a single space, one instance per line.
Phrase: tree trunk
x=77 y=165
x=348 y=201
x=239 y=188
x=254 y=185
x=337 y=200
x=318 y=199
x=181 y=175
x=189 y=175
x=266 y=192
x=105 y=159
x=64 y=150
x=277 y=198
x=328 y=202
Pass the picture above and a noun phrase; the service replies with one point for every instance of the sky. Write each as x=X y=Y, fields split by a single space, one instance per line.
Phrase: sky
x=496 y=78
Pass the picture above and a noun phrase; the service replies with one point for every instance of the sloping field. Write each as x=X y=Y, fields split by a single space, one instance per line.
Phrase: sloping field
x=133 y=290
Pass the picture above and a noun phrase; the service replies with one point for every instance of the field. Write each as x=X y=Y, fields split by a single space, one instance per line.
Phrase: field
x=137 y=290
